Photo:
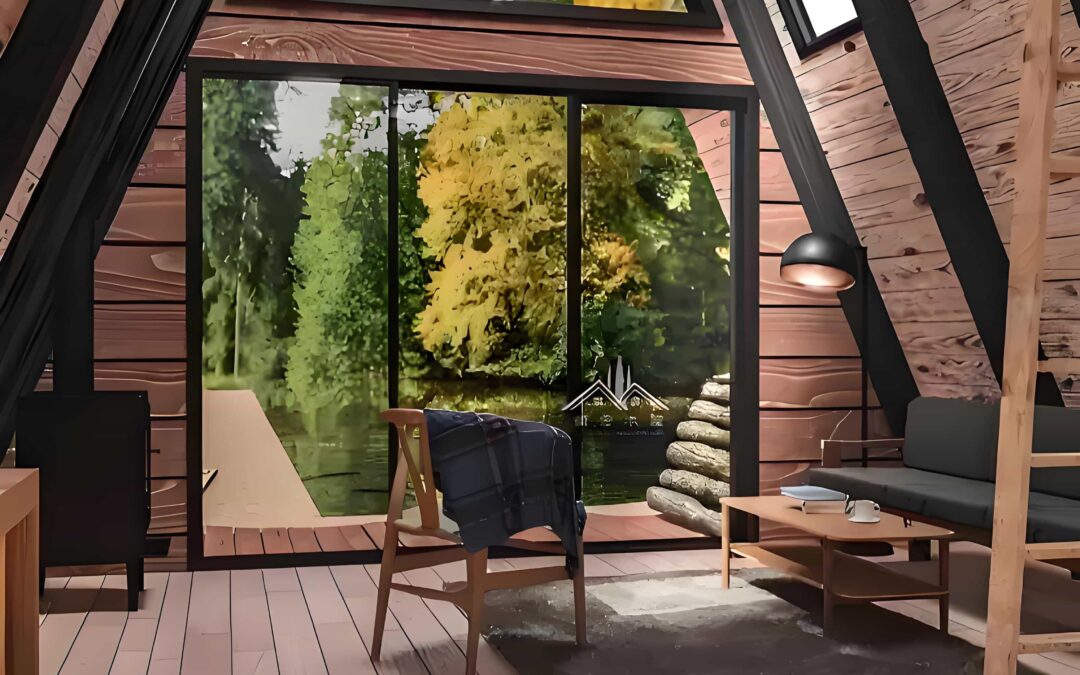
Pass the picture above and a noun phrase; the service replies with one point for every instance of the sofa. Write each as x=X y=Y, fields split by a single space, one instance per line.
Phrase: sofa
x=949 y=461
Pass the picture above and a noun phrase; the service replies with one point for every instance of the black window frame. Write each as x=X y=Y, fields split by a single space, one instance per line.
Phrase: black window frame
x=699 y=13
x=741 y=101
x=807 y=42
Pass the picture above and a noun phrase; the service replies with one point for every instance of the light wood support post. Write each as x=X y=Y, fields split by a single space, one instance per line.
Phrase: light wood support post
x=19 y=566
x=725 y=529
x=1038 y=92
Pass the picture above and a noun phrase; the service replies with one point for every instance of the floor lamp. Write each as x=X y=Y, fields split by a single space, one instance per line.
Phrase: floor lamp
x=826 y=263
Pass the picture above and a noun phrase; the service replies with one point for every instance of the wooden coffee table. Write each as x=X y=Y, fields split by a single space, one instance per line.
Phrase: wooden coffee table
x=842 y=578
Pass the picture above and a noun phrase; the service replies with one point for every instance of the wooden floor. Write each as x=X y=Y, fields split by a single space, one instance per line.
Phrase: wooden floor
x=319 y=619
x=599 y=528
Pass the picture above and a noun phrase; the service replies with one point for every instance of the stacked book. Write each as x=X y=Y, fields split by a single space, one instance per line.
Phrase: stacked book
x=813 y=499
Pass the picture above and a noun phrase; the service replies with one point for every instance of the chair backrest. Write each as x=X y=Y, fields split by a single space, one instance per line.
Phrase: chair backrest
x=413 y=466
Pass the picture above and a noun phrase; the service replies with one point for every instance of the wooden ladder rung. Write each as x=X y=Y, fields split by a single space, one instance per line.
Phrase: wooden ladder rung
x=1064 y=166
x=1048 y=460
x=1059 y=550
x=1068 y=72
x=1049 y=642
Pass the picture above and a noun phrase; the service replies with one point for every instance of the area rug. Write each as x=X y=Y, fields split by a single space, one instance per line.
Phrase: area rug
x=685 y=623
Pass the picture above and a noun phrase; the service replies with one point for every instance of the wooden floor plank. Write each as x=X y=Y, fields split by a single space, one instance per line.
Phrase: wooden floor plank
x=95 y=646
x=454 y=622
x=627 y=563
x=358 y=538
x=294 y=633
x=303 y=540
x=434 y=645
x=67 y=613
x=172 y=626
x=276 y=540
x=342 y=647
x=248 y=541
x=377 y=532
x=208 y=639
x=358 y=590
x=52 y=584
x=133 y=654
x=331 y=539
x=253 y=638
x=218 y=541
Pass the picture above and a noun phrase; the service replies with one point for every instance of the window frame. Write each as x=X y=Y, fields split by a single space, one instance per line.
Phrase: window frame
x=744 y=220
x=807 y=42
x=699 y=13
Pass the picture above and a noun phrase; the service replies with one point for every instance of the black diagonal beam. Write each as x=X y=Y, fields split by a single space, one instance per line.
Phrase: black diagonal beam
x=33 y=69
x=87 y=177
x=948 y=178
x=820 y=197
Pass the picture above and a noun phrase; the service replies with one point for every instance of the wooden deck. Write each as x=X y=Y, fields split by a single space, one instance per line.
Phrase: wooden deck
x=319 y=619
x=600 y=528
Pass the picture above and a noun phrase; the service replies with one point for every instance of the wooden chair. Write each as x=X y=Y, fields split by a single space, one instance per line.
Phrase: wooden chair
x=414 y=467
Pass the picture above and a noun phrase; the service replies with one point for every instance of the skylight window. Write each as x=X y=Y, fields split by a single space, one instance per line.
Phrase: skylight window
x=815 y=24
x=697 y=13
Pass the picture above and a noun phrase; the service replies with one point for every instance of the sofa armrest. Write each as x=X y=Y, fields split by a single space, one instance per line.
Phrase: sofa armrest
x=832 y=452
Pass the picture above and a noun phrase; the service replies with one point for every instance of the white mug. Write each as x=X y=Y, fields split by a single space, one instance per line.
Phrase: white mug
x=863 y=511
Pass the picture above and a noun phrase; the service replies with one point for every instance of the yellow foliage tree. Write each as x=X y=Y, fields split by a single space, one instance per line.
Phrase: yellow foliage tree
x=493 y=178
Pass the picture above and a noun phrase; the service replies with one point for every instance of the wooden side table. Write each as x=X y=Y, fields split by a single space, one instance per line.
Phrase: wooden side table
x=842 y=578
x=19 y=563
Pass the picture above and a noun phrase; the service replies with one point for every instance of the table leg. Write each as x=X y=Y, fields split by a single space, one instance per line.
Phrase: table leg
x=943 y=582
x=826 y=585
x=725 y=529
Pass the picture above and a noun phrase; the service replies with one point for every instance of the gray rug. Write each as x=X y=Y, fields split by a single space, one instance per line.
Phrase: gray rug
x=683 y=623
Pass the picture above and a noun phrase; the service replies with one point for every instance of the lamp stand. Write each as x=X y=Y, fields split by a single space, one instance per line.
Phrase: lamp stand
x=864 y=346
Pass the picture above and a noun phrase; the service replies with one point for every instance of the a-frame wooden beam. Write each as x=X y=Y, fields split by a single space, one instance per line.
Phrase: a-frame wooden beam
x=34 y=67
x=949 y=180
x=87 y=177
x=821 y=199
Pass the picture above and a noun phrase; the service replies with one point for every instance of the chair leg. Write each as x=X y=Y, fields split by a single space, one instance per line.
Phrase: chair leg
x=386 y=576
x=579 y=596
x=477 y=571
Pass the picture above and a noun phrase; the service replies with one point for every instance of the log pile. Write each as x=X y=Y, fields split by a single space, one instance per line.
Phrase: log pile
x=700 y=462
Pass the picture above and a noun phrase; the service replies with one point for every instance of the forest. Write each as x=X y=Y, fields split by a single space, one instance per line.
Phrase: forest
x=296 y=275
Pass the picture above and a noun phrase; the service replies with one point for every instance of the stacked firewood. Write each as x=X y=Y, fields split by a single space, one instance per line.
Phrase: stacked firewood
x=700 y=462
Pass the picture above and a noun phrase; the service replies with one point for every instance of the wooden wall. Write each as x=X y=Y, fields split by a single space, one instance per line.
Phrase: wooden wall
x=975 y=46
x=810 y=366
x=10 y=11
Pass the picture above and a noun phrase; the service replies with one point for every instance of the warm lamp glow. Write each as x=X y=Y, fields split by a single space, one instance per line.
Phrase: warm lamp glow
x=818 y=260
x=817 y=276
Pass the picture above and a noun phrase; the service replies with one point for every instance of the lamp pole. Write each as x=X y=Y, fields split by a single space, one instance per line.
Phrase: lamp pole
x=864 y=302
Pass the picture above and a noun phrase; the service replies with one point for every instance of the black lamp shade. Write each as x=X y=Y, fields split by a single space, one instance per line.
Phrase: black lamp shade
x=819 y=261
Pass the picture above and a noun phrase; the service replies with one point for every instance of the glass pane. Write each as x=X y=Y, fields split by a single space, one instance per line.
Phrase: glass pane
x=483 y=253
x=655 y=287
x=647 y=5
x=294 y=282
x=826 y=15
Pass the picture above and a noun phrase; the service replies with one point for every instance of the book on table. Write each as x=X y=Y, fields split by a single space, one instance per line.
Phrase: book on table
x=813 y=499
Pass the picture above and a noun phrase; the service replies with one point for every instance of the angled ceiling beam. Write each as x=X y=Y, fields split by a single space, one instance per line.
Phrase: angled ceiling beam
x=33 y=69
x=87 y=177
x=821 y=199
x=949 y=180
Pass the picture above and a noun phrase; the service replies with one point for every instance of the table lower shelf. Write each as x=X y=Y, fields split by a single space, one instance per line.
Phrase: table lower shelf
x=853 y=579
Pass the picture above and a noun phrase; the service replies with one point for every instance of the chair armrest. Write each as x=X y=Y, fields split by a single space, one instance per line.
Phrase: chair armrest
x=832 y=452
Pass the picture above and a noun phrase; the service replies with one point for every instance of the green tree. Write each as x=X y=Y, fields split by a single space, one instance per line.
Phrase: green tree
x=250 y=211
x=341 y=290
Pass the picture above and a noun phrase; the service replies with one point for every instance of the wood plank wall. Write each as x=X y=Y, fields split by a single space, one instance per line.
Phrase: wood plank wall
x=10 y=11
x=810 y=368
x=976 y=47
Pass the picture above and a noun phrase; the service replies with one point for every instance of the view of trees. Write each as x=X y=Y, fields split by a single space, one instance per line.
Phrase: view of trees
x=296 y=280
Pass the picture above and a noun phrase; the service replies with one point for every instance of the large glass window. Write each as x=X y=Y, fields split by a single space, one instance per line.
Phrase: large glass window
x=482 y=271
x=655 y=282
x=294 y=289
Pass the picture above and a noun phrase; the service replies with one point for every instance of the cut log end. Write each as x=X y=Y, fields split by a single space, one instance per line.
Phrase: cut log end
x=686 y=511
